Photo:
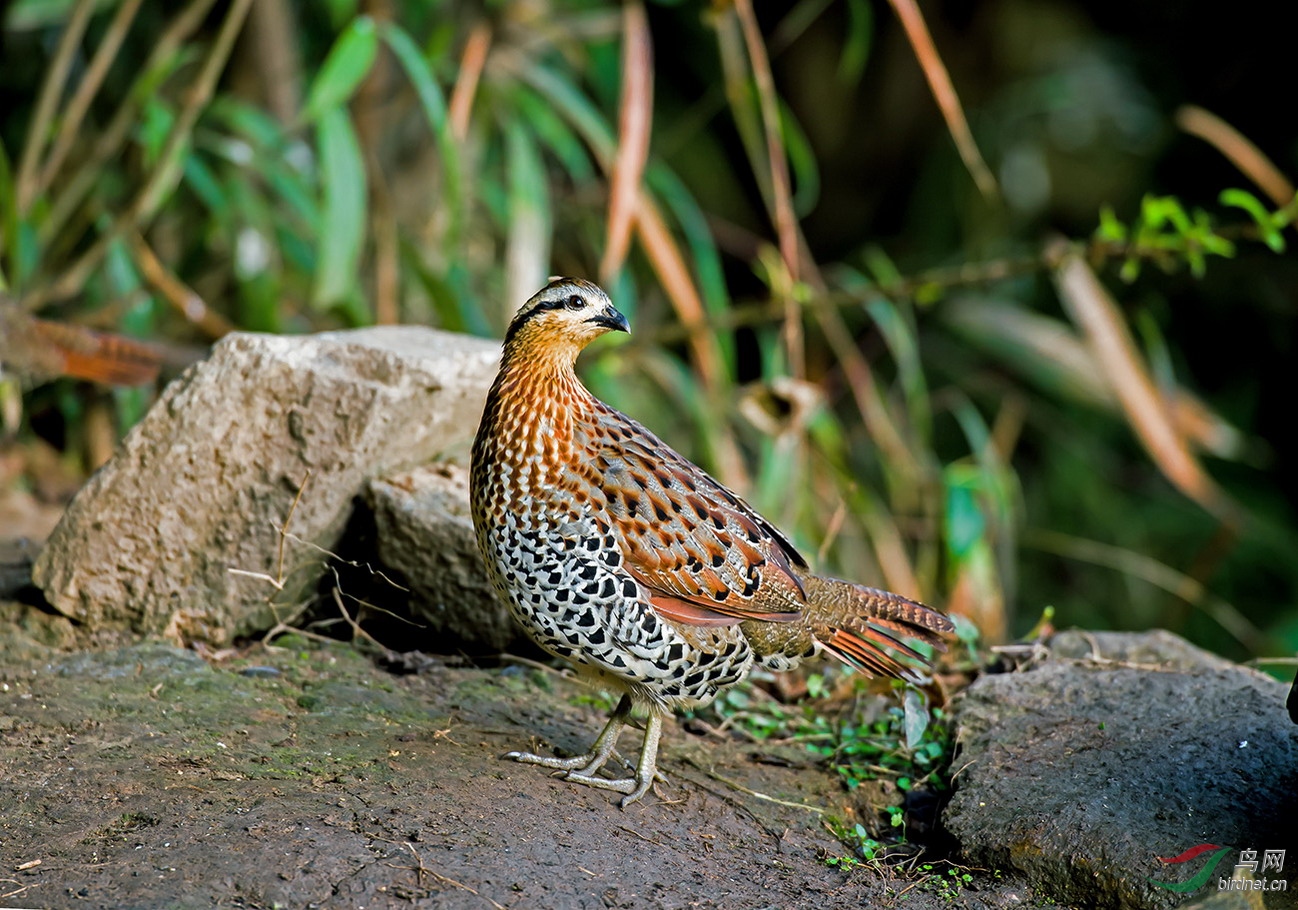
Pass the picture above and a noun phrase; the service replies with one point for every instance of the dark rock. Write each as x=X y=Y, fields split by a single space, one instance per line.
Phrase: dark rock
x=424 y=532
x=16 y=559
x=1082 y=772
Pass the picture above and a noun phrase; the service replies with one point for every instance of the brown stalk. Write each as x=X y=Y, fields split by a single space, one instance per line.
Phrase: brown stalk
x=77 y=107
x=149 y=196
x=786 y=225
x=86 y=176
x=865 y=392
x=1239 y=150
x=387 y=259
x=669 y=264
x=890 y=553
x=367 y=109
x=181 y=296
x=1096 y=314
x=472 y=63
x=635 y=118
x=939 y=82
x=47 y=101
x=793 y=250
x=272 y=46
x=734 y=69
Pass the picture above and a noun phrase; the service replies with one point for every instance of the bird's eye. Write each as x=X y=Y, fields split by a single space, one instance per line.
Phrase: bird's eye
x=574 y=302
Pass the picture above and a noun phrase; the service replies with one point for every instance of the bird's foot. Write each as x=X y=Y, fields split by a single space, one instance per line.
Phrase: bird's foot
x=578 y=763
x=582 y=769
x=633 y=787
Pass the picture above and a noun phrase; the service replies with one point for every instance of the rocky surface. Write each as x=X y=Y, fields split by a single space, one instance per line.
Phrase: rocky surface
x=1079 y=772
x=424 y=536
x=180 y=534
x=307 y=777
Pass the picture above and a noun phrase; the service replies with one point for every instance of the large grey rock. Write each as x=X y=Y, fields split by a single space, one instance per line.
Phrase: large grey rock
x=179 y=533
x=1082 y=772
x=424 y=532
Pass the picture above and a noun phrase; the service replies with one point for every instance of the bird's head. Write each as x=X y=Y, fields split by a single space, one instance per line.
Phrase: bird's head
x=562 y=318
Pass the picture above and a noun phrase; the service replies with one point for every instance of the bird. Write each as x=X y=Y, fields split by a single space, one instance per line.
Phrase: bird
x=37 y=350
x=620 y=556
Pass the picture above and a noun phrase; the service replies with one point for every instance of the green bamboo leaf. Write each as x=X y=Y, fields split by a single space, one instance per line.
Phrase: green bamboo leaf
x=9 y=224
x=420 y=74
x=343 y=217
x=704 y=256
x=802 y=161
x=965 y=524
x=573 y=106
x=431 y=98
x=529 y=194
x=443 y=301
x=558 y=138
x=295 y=190
x=993 y=481
x=204 y=184
x=248 y=123
x=860 y=36
x=256 y=266
x=1110 y=229
x=155 y=124
x=1211 y=242
x=348 y=63
x=340 y=11
x=881 y=268
x=899 y=334
x=529 y=222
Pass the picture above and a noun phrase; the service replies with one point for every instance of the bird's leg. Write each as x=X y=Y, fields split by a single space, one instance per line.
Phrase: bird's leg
x=594 y=758
x=646 y=769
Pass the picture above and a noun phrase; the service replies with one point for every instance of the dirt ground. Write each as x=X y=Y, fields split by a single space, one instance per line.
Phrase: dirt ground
x=310 y=777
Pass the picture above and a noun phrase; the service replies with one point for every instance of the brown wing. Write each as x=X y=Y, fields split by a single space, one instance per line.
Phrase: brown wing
x=705 y=555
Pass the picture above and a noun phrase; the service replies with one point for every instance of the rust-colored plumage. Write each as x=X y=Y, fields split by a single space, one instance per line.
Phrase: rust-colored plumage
x=39 y=349
x=618 y=554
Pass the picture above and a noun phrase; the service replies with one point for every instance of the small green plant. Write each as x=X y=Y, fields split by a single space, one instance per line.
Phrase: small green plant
x=598 y=699
x=1167 y=234
x=866 y=850
x=906 y=744
x=909 y=745
x=946 y=883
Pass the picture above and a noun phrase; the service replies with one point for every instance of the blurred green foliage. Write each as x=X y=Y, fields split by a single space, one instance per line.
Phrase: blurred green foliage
x=909 y=398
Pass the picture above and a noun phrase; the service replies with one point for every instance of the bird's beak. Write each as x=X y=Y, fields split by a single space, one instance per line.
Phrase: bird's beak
x=612 y=319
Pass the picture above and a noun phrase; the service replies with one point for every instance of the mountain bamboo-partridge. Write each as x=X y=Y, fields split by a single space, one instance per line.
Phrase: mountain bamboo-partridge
x=619 y=555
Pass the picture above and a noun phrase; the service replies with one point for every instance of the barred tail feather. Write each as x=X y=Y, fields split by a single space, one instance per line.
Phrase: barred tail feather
x=869 y=629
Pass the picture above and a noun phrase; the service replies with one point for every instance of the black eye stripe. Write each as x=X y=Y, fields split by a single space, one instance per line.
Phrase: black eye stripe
x=547 y=305
x=570 y=302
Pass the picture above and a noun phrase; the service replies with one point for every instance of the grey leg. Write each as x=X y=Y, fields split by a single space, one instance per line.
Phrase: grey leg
x=591 y=760
x=583 y=768
x=646 y=768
